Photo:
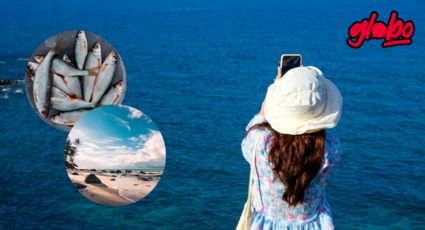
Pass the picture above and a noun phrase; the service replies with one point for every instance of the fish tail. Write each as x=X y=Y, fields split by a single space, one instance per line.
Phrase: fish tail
x=74 y=96
x=93 y=71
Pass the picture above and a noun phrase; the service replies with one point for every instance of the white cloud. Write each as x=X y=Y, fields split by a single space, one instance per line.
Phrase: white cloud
x=150 y=149
x=154 y=147
x=134 y=113
x=141 y=138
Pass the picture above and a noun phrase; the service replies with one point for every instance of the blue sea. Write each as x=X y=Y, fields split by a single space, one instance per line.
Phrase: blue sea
x=200 y=70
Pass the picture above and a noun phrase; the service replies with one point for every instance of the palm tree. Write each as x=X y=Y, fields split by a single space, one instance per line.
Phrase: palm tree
x=71 y=152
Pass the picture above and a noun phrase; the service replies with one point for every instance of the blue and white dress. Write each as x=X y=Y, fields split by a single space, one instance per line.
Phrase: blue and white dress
x=270 y=211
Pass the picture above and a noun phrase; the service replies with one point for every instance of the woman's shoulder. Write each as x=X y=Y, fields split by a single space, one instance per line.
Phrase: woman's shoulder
x=260 y=134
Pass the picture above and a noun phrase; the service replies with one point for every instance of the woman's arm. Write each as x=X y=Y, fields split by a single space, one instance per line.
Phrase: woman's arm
x=249 y=140
x=278 y=76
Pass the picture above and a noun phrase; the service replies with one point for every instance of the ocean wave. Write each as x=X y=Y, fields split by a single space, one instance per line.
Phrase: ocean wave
x=9 y=87
x=124 y=194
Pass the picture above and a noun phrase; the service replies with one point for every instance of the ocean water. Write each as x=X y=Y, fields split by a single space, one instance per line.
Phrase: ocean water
x=200 y=69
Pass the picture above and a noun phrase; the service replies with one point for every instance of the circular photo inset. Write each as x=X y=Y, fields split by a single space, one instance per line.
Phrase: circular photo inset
x=114 y=155
x=73 y=72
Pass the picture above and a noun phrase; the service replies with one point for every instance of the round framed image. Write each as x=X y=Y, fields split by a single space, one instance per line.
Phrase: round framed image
x=71 y=73
x=114 y=155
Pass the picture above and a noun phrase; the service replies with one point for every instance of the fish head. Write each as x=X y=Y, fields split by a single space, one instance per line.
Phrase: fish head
x=120 y=85
x=66 y=58
x=81 y=34
x=31 y=66
x=96 y=48
x=112 y=57
x=39 y=58
x=55 y=118
x=44 y=112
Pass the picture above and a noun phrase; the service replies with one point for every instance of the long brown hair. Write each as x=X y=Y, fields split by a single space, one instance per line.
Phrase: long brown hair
x=296 y=160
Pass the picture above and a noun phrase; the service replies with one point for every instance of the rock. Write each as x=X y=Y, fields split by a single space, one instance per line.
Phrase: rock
x=79 y=186
x=75 y=173
x=143 y=179
x=104 y=171
x=93 y=170
x=92 y=179
x=118 y=171
x=113 y=176
x=69 y=165
x=112 y=179
x=123 y=174
x=142 y=172
x=127 y=171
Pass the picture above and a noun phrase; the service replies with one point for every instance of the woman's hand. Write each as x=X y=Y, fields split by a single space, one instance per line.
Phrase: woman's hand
x=279 y=73
x=278 y=76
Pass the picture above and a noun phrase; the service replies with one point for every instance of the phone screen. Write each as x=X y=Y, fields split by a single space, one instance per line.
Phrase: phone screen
x=289 y=62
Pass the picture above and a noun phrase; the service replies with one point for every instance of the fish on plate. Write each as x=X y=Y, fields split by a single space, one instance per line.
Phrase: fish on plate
x=80 y=49
x=70 y=74
x=56 y=92
x=68 y=104
x=61 y=84
x=43 y=83
x=93 y=61
x=61 y=67
x=68 y=118
x=104 y=78
x=113 y=95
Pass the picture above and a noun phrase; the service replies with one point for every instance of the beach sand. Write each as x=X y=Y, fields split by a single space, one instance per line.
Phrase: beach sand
x=116 y=189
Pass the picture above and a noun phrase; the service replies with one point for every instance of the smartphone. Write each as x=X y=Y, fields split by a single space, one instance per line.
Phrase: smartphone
x=289 y=61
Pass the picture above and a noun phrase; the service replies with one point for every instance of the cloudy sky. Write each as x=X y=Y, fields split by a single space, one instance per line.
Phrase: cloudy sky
x=117 y=137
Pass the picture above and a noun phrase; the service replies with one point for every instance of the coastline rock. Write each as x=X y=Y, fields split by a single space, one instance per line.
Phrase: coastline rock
x=75 y=173
x=142 y=172
x=118 y=171
x=79 y=186
x=93 y=170
x=127 y=171
x=112 y=179
x=92 y=179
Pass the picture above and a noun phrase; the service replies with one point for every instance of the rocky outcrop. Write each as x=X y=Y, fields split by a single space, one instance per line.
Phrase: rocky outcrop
x=92 y=179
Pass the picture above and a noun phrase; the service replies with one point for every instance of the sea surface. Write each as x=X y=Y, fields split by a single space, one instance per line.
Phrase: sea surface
x=200 y=70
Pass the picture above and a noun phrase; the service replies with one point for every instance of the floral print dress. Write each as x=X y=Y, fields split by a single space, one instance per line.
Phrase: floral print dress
x=270 y=211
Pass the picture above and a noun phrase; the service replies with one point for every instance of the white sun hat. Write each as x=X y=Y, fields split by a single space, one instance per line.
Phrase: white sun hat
x=303 y=101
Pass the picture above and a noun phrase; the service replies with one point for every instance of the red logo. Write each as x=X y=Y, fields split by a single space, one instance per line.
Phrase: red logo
x=395 y=32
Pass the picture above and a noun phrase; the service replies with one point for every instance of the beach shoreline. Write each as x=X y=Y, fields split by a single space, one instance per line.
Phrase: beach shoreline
x=113 y=188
